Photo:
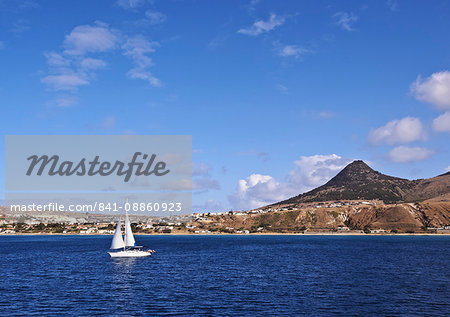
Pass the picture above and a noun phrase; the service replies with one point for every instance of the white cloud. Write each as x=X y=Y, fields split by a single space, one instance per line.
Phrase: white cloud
x=312 y=171
x=92 y=63
x=345 y=20
x=64 y=81
x=405 y=154
x=90 y=39
x=56 y=60
x=138 y=73
x=447 y=169
x=252 y=5
x=442 y=123
x=75 y=66
x=155 y=17
x=72 y=68
x=258 y=190
x=309 y=172
x=130 y=4
x=261 y=26
x=392 y=5
x=405 y=130
x=293 y=50
x=434 y=89
x=137 y=49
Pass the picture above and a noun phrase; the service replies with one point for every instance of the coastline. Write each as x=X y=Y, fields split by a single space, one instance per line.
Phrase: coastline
x=234 y=234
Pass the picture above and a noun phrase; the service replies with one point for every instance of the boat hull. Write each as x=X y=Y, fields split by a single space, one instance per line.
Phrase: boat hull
x=129 y=254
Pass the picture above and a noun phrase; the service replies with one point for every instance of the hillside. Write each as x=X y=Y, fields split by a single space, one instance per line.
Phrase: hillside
x=430 y=217
x=358 y=181
x=356 y=199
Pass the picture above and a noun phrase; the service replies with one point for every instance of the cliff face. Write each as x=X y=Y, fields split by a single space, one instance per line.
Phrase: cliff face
x=358 y=181
x=401 y=218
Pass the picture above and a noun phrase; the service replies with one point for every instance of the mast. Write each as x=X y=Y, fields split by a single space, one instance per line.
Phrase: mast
x=129 y=238
x=117 y=241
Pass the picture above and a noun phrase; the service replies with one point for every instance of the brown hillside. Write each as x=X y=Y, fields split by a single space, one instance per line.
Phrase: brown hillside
x=357 y=181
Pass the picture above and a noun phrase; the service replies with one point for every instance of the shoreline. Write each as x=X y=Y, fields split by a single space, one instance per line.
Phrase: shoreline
x=234 y=234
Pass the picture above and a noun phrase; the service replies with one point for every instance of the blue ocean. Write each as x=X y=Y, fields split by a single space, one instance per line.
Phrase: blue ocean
x=227 y=276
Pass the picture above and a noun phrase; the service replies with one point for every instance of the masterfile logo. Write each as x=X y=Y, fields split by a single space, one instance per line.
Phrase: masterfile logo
x=146 y=168
x=95 y=167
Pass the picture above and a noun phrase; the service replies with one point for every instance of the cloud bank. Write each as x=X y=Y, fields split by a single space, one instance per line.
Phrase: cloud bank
x=309 y=172
x=84 y=50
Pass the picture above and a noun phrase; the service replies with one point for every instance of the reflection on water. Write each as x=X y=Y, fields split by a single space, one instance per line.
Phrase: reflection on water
x=125 y=262
x=123 y=273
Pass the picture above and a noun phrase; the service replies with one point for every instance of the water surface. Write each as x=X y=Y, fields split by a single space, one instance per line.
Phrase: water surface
x=227 y=276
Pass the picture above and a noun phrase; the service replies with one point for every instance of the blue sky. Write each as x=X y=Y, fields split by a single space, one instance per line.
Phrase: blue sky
x=277 y=95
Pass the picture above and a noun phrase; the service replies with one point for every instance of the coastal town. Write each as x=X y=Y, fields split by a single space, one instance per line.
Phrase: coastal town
x=333 y=217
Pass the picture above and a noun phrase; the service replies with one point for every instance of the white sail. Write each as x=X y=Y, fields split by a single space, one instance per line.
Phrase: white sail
x=129 y=239
x=117 y=241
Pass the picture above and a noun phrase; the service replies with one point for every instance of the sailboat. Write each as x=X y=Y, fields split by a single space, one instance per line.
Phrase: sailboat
x=121 y=247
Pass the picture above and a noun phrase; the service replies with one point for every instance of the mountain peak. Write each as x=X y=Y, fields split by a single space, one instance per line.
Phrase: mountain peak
x=355 y=171
x=358 y=164
x=358 y=181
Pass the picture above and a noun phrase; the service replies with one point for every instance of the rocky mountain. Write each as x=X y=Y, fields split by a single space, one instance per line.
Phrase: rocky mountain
x=357 y=181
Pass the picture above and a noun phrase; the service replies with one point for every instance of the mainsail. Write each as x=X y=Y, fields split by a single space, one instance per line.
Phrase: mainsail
x=117 y=241
x=129 y=239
